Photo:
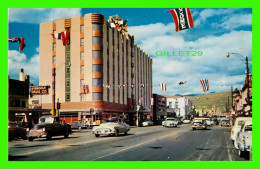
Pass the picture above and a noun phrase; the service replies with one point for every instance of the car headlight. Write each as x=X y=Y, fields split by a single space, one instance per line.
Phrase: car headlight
x=43 y=129
x=27 y=129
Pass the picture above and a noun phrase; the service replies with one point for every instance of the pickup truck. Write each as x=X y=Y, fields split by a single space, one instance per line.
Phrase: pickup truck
x=244 y=140
x=47 y=127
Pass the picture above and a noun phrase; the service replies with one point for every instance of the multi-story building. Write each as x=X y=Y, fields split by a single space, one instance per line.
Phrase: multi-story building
x=243 y=104
x=159 y=108
x=182 y=106
x=100 y=69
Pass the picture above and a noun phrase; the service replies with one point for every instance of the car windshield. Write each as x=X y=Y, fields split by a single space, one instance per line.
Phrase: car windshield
x=198 y=121
x=113 y=120
x=248 y=128
x=170 y=119
x=46 y=120
x=240 y=123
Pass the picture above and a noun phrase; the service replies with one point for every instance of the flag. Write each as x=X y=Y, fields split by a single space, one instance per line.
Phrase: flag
x=163 y=86
x=182 y=82
x=64 y=36
x=205 y=84
x=182 y=18
x=20 y=40
x=85 y=89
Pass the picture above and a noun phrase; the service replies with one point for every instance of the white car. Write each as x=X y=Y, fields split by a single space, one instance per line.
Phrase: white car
x=112 y=126
x=170 y=122
x=236 y=128
x=244 y=140
x=186 y=121
x=199 y=124
x=147 y=123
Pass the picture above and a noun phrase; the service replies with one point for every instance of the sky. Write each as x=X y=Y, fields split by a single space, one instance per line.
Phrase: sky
x=216 y=32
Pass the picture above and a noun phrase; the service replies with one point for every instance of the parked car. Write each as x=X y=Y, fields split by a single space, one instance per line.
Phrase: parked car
x=225 y=122
x=49 y=126
x=112 y=126
x=170 y=122
x=186 y=121
x=236 y=128
x=199 y=124
x=78 y=125
x=147 y=123
x=16 y=131
x=244 y=140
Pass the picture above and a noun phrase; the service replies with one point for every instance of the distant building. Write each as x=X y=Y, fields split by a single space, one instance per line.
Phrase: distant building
x=159 y=108
x=242 y=106
x=182 y=106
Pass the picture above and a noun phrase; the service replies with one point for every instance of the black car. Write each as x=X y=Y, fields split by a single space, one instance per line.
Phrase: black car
x=16 y=131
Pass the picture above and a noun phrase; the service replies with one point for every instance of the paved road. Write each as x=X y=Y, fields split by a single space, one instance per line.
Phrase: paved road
x=154 y=143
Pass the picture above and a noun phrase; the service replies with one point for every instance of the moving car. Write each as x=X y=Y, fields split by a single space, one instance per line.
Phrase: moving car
x=186 y=121
x=147 y=123
x=244 y=140
x=199 y=124
x=16 y=131
x=78 y=125
x=225 y=122
x=112 y=126
x=236 y=128
x=49 y=126
x=170 y=122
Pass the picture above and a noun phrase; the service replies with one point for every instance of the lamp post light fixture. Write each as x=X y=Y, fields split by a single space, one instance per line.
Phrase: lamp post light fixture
x=245 y=60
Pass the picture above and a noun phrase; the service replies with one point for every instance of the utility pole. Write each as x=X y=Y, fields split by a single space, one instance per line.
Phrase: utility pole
x=247 y=80
x=53 y=89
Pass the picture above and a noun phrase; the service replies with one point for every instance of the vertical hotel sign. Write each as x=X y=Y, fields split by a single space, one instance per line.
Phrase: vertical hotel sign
x=40 y=90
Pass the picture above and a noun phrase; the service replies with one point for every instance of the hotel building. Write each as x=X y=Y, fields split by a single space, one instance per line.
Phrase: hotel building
x=99 y=69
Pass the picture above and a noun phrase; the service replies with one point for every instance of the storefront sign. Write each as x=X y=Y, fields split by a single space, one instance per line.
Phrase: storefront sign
x=40 y=90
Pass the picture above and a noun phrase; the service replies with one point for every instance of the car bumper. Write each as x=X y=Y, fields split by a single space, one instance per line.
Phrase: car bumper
x=171 y=125
x=104 y=132
x=37 y=133
x=199 y=127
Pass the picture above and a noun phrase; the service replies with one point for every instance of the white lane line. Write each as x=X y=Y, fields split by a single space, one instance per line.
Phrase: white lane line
x=137 y=145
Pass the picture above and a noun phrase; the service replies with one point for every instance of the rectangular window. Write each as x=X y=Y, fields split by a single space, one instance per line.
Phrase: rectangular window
x=81 y=42
x=81 y=82
x=81 y=55
x=97 y=82
x=67 y=70
x=81 y=69
x=97 y=96
x=54 y=59
x=67 y=83
x=67 y=97
x=54 y=46
x=82 y=97
x=82 y=28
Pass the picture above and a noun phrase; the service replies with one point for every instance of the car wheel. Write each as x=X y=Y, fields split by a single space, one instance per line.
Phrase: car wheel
x=116 y=133
x=193 y=128
x=30 y=138
x=125 y=133
x=97 y=135
x=66 y=135
x=49 y=136
x=241 y=153
x=24 y=137
x=235 y=144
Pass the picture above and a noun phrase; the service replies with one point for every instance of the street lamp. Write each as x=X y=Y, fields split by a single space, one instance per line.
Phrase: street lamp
x=245 y=60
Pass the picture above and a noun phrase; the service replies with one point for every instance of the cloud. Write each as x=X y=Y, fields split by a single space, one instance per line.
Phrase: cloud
x=39 y=15
x=237 y=21
x=18 y=61
x=213 y=64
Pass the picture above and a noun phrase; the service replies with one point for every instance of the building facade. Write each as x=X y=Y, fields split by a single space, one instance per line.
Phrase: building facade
x=99 y=69
x=182 y=106
x=159 y=108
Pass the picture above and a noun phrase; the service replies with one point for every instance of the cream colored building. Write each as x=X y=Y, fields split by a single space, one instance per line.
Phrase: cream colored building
x=97 y=57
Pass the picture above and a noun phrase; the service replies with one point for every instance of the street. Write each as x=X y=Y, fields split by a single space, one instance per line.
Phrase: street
x=154 y=143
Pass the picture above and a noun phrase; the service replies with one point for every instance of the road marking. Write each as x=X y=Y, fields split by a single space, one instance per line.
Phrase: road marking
x=132 y=147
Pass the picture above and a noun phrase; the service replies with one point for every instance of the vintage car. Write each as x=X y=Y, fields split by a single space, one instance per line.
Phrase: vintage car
x=170 y=122
x=47 y=127
x=225 y=122
x=112 y=126
x=236 y=128
x=147 y=123
x=16 y=131
x=199 y=124
x=186 y=121
x=78 y=125
x=244 y=140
